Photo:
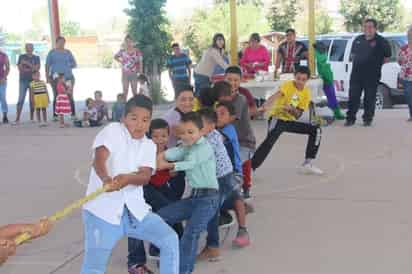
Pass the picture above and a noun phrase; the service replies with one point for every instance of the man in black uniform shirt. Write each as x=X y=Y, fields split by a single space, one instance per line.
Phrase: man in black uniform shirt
x=369 y=52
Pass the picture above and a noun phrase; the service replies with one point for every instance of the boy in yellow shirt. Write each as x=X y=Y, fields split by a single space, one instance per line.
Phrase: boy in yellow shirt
x=286 y=107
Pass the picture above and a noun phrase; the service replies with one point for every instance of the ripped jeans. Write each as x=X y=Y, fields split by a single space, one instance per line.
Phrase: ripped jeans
x=101 y=237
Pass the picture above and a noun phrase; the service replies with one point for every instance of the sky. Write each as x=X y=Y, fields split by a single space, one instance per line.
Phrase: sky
x=16 y=19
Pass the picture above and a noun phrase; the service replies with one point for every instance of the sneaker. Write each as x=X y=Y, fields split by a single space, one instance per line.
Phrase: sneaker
x=337 y=113
x=249 y=208
x=15 y=123
x=43 y=124
x=5 y=120
x=367 y=123
x=242 y=238
x=225 y=219
x=311 y=169
x=349 y=123
x=141 y=269
x=211 y=254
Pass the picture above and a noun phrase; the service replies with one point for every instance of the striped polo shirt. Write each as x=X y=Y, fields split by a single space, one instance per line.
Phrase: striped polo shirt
x=178 y=65
x=38 y=87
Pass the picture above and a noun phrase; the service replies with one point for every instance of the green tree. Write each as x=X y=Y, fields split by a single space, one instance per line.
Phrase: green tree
x=257 y=3
x=149 y=27
x=323 y=22
x=386 y=12
x=282 y=14
x=204 y=23
x=70 y=28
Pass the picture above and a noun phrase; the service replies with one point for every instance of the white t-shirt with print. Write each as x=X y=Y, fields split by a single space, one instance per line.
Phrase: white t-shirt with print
x=127 y=155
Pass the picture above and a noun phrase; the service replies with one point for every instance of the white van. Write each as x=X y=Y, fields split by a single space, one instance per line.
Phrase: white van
x=390 y=92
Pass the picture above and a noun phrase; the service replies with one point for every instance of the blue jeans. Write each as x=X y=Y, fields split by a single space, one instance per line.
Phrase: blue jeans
x=157 y=198
x=24 y=85
x=226 y=186
x=201 y=81
x=198 y=210
x=3 y=99
x=101 y=237
x=408 y=95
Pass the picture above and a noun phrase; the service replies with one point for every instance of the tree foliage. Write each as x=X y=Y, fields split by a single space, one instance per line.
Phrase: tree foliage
x=204 y=23
x=386 y=12
x=323 y=23
x=282 y=14
x=257 y=3
x=70 y=28
x=148 y=26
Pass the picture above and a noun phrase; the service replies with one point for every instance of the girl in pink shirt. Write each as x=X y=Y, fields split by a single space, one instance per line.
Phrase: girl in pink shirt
x=256 y=57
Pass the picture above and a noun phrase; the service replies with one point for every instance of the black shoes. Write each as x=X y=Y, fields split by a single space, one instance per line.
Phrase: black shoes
x=367 y=123
x=349 y=123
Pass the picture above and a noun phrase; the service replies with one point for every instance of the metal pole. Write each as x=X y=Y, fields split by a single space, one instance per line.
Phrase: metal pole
x=311 y=33
x=54 y=20
x=233 y=34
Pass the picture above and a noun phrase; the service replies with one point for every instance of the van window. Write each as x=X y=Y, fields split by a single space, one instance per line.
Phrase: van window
x=338 y=50
x=401 y=40
x=396 y=43
x=327 y=43
x=394 y=49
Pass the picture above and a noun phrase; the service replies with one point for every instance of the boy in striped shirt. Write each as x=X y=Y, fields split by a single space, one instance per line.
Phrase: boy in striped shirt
x=40 y=98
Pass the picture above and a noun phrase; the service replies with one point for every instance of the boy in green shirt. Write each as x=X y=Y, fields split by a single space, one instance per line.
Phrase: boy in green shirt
x=195 y=157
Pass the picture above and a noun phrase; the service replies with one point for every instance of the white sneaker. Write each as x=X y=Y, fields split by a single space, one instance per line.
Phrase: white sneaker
x=310 y=169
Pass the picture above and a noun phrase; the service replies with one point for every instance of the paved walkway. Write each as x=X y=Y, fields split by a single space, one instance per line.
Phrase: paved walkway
x=355 y=219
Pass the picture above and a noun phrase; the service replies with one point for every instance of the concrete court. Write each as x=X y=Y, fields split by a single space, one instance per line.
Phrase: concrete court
x=355 y=219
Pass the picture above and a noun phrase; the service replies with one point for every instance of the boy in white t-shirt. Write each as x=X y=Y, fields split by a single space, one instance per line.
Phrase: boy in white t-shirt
x=124 y=160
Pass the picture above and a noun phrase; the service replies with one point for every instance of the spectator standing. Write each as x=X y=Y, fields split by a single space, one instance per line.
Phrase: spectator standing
x=369 y=52
x=255 y=57
x=405 y=61
x=4 y=72
x=131 y=60
x=211 y=57
x=179 y=69
x=61 y=61
x=27 y=64
x=290 y=53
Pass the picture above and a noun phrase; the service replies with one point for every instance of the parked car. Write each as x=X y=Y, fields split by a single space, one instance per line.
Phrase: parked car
x=390 y=91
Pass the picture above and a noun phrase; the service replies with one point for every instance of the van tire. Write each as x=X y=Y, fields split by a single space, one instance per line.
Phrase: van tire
x=383 y=98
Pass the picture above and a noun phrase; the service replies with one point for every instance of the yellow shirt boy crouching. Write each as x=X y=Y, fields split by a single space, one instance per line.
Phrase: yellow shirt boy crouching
x=291 y=96
x=286 y=107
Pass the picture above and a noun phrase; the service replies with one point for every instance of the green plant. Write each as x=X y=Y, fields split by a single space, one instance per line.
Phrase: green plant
x=386 y=12
x=149 y=28
x=158 y=95
x=106 y=58
x=204 y=23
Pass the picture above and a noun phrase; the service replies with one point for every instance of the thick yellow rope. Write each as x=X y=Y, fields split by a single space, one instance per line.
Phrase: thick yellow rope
x=63 y=213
